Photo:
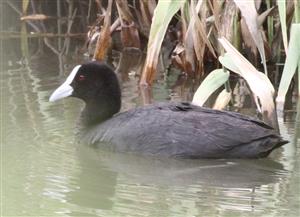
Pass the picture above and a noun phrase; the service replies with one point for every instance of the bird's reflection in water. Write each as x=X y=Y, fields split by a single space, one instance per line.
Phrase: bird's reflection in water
x=108 y=180
x=225 y=173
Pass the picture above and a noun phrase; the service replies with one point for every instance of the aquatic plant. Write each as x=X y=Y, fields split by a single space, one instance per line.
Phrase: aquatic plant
x=187 y=32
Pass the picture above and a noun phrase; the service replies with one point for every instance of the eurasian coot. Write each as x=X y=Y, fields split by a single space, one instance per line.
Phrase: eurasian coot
x=164 y=129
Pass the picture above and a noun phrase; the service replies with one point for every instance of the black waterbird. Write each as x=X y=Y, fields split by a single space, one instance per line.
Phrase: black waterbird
x=164 y=129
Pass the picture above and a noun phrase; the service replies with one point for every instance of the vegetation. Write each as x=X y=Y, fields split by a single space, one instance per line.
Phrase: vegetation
x=246 y=37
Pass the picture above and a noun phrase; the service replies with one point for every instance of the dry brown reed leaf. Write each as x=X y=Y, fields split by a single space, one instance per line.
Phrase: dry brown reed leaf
x=35 y=17
x=200 y=28
x=195 y=40
x=260 y=85
x=227 y=20
x=250 y=15
x=99 y=5
x=222 y=100
x=104 y=39
x=146 y=11
x=130 y=36
x=248 y=41
x=190 y=39
x=123 y=10
x=144 y=15
x=262 y=17
x=178 y=57
x=257 y=4
x=129 y=32
x=216 y=9
x=195 y=29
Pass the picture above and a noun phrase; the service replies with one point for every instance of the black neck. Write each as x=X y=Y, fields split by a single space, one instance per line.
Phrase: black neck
x=97 y=112
x=101 y=93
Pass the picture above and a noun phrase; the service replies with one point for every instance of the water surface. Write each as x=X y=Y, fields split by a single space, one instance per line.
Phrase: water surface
x=46 y=173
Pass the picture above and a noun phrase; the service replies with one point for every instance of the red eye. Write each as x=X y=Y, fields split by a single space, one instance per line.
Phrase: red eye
x=81 y=77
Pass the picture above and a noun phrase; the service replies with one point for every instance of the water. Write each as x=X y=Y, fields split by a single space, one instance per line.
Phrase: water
x=44 y=172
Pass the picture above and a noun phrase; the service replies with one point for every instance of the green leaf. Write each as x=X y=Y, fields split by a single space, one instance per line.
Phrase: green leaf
x=292 y=60
x=25 y=4
x=162 y=16
x=282 y=15
x=210 y=84
x=163 y=13
x=297 y=11
x=24 y=40
x=297 y=124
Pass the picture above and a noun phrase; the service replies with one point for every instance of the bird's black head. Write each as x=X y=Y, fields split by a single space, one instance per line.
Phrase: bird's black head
x=94 y=81
x=96 y=84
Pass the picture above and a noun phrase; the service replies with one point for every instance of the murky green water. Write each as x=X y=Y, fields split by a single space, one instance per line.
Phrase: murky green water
x=44 y=172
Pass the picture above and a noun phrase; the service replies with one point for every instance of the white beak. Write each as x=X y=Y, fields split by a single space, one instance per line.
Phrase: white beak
x=65 y=89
